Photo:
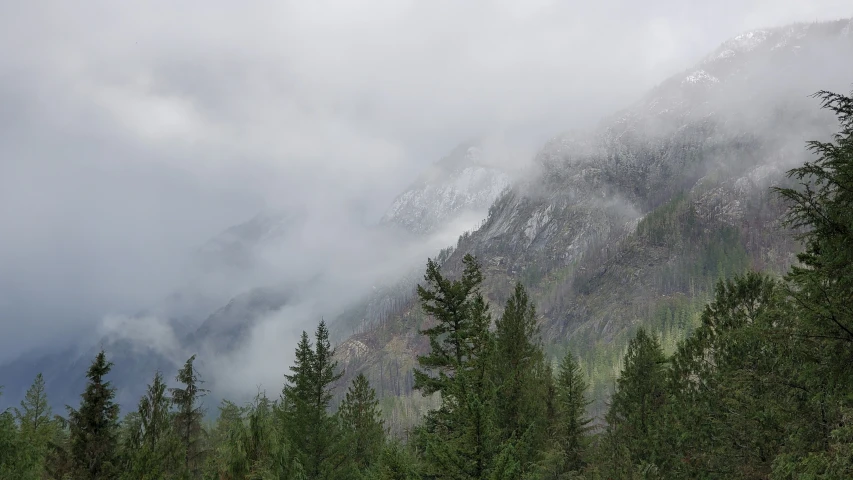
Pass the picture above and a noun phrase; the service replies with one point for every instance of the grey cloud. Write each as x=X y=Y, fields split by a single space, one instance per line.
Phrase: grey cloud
x=130 y=134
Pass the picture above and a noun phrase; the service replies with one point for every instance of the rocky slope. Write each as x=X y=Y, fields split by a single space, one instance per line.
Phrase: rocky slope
x=634 y=222
x=460 y=185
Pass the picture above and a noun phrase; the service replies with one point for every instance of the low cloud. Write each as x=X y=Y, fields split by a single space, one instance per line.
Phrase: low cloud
x=131 y=134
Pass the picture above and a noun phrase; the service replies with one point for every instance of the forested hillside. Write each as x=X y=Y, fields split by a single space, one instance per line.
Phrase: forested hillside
x=760 y=389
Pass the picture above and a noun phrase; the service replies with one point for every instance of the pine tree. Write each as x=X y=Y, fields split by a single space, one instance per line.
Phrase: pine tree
x=94 y=426
x=448 y=302
x=396 y=463
x=362 y=424
x=152 y=444
x=725 y=385
x=522 y=403
x=188 y=417
x=230 y=417
x=460 y=439
x=821 y=211
x=306 y=396
x=640 y=395
x=257 y=449
x=59 y=464
x=572 y=424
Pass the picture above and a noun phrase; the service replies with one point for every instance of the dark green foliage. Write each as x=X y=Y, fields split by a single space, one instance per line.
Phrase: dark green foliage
x=518 y=364
x=821 y=291
x=460 y=439
x=522 y=379
x=448 y=302
x=823 y=208
x=256 y=448
x=309 y=428
x=188 y=417
x=572 y=423
x=58 y=462
x=396 y=463
x=362 y=425
x=640 y=395
x=152 y=445
x=726 y=382
x=94 y=426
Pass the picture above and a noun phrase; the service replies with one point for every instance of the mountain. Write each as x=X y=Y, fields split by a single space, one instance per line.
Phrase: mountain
x=252 y=270
x=633 y=222
x=460 y=186
x=628 y=224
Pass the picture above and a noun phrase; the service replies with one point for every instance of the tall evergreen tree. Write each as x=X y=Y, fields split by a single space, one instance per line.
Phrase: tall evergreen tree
x=35 y=417
x=396 y=463
x=187 y=419
x=640 y=394
x=821 y=210
x=94 y=426
x=153 y=444
x=448 y=302
x=461 y=438
x=35 y=420
x=519 y=368
x=726 y=403
x=59 y=464
x=362 y=425
x=306 y=397
x=257 y=449
x=572 y=422
x=18 y=460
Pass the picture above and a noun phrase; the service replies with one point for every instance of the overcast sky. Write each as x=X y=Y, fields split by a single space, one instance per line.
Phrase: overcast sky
x=130 y=132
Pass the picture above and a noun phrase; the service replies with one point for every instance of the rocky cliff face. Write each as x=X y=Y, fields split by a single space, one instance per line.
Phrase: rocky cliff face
x=462 y=185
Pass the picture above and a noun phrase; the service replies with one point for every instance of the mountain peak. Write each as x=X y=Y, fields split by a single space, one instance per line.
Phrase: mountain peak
x=460 y=184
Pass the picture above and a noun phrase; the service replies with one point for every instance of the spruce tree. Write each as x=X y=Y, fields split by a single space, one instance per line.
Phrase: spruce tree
x=460 y=440
x=726 y=398
x=306 y=396
x=396 y=462
x=519 y=367
x=59 y=464
x=572 y=422
x=187 y=419
x=154 y=447
x=94 y=425
x=256 y=448
x=640 y=395
x=362 y=424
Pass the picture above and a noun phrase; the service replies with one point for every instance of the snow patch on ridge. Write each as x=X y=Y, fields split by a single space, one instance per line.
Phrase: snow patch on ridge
x=700 y=77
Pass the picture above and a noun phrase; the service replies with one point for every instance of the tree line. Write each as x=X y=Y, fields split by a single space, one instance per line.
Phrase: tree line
x=763 y=388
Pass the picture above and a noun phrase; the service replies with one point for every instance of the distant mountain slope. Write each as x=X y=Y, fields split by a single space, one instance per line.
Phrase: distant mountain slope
x=459 y=185
x=633 y=222
x=245 y=274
